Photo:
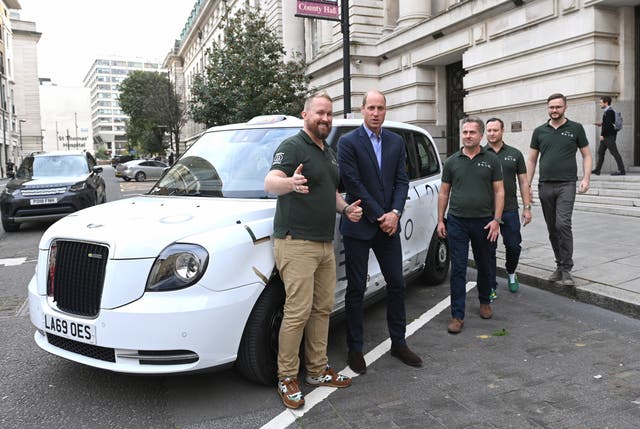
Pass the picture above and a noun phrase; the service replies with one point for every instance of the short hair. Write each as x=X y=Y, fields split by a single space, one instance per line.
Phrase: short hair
x=496 y=120
x=606 y=99
x=474 y=120
x=313 y=96
x=364 y=97
x=555 y=96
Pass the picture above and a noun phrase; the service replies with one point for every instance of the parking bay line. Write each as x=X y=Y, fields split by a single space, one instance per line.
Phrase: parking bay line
x=319 y=394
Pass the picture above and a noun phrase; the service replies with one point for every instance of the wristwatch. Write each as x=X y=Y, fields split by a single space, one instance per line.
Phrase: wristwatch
x=527 y=206
x=397 y=212
x=499 y=220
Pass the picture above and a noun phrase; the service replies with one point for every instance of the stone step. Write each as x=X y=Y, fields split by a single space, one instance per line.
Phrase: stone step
x=602 y=208
x=609 y=201
x=615 y=192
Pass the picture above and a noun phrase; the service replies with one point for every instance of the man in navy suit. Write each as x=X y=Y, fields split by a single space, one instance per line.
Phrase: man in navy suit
x=373 y=169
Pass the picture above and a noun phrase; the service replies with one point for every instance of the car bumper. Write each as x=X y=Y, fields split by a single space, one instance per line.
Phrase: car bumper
x=161 y=333
x=20 y=209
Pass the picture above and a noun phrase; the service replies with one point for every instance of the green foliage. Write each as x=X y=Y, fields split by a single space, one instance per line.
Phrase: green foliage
x=247 y=75
x=101 y=153
x=153 y=108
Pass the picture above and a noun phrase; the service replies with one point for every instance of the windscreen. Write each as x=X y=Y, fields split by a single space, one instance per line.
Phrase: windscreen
x=231 y=164
x=52 y=166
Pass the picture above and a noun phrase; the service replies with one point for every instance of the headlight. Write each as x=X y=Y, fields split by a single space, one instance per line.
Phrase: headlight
x=78 y=186
x=178 y=266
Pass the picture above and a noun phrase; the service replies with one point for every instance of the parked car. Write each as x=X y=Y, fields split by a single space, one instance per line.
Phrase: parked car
x=49 y=186
x=141 y=169
x=121 y=159
x=183 y=278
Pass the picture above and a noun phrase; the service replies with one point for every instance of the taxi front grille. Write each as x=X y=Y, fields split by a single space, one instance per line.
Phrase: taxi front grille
x=89 y=350
x=77 y=276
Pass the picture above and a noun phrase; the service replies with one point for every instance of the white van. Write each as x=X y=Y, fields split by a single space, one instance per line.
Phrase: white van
x=183 y=278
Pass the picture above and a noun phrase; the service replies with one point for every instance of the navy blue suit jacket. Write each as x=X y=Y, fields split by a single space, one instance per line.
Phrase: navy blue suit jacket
x=380 y=190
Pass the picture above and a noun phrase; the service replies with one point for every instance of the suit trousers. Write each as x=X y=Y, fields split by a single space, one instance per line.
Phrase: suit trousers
x=388 y=252
x=308 y=270
x=461 y=231
x=557 y=199
x=609 y=142
x=511 y=238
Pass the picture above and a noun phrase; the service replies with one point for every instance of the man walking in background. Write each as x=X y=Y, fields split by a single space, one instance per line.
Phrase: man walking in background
x=608 y=136
x=556 y=143
x=472 y=188
x=373 y=170
x=513 y=166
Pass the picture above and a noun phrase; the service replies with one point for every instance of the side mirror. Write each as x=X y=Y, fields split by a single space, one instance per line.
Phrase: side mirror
x=97 y=169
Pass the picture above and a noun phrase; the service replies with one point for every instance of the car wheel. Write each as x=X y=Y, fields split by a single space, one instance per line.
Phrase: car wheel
x=437 y=261
x=140 y=176
x=9 y=226
x=258 y=353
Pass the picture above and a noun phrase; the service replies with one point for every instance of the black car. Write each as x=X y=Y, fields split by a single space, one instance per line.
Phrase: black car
x=121 y=159
x=49 y=186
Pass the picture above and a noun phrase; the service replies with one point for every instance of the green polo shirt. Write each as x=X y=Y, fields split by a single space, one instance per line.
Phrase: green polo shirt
x=309 y=216
x=558 y=150
x=471 y=183
x=512 y=163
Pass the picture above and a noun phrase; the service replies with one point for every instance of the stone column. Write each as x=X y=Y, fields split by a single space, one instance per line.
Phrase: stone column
x=292 y=29
x=412 y=11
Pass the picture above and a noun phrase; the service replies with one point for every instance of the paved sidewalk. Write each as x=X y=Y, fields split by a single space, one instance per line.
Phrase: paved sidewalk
x=606 y=260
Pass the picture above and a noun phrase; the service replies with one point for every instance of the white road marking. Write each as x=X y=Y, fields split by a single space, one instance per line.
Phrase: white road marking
x=12 y=262
x=319 y=394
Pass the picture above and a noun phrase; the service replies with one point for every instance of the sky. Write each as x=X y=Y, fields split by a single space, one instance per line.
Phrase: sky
x=76 y=32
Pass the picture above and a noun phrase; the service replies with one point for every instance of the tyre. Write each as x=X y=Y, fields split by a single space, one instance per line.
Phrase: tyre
x=140 y=176
x=9 y=226
x=258 y=354
x=437 y=261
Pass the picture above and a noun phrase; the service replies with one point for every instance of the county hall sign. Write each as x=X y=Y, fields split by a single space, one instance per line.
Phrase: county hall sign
x=323 y=9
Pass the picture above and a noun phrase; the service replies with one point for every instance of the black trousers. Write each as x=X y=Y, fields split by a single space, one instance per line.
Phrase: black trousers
x=609 y=142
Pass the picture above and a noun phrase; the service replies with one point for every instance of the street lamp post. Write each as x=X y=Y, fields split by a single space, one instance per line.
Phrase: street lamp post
x=20 y=122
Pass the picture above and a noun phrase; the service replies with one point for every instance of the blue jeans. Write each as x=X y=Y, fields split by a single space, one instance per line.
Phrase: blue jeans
x=510 y=230
x=461 y=231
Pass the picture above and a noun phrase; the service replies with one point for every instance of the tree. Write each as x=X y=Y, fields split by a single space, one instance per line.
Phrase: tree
x=153 y=108
x=246 y=75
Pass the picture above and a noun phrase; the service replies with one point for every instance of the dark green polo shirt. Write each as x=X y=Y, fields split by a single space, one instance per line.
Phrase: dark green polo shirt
x=512 y=163
x=309 y=216
x=471 y=183
x=558 y=150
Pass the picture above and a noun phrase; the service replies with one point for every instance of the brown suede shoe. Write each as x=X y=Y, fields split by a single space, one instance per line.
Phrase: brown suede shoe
x=485 y=311
x=357 y=363
x=406 y=356
x=455 y=326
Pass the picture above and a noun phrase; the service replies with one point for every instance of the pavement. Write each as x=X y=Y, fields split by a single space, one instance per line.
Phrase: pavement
x=606 y=260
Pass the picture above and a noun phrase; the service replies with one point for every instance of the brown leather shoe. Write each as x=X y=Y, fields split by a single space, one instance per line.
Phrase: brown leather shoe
x=485 y=311
x=357 y=363
x=455 y=326
x=406 y=356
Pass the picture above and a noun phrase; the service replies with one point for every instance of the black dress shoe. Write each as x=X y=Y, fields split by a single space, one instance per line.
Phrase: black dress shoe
x=406 y=356
x=596 y=172
x=618 y=173
x=357 y=363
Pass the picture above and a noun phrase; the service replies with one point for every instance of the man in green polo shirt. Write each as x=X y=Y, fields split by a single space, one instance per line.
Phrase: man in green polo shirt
x=556 y=142
x=472 y=188
x=513 y=167
x=304 y=175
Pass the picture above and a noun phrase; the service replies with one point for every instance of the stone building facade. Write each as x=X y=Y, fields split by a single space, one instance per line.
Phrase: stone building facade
x=440 y=60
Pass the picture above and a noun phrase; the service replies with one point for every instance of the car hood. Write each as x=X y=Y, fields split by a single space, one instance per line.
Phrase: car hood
x=140 y=227
x=43 y=182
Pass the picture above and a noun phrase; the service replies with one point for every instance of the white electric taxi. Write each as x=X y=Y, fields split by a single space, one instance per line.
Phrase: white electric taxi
x=183 y=278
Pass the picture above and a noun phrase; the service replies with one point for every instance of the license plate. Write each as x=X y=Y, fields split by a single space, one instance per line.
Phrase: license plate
x=70 y=329
x=39 y=201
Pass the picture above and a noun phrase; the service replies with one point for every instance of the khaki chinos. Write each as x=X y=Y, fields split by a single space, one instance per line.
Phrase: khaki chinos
x=308 y=270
